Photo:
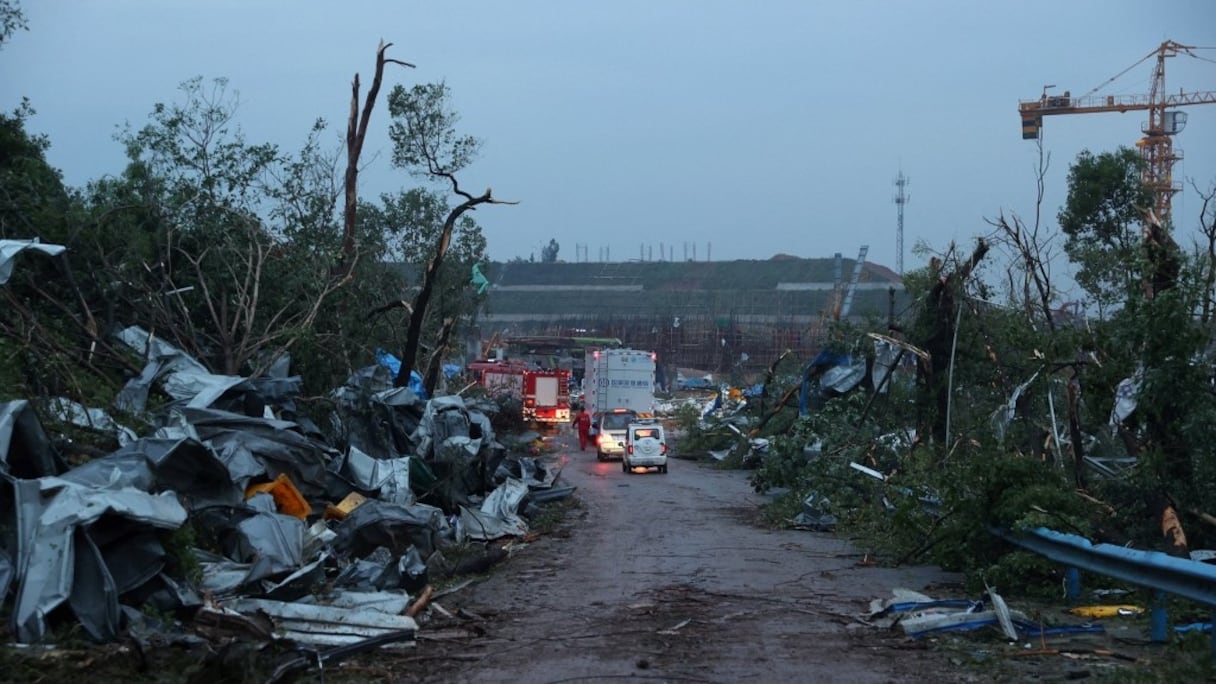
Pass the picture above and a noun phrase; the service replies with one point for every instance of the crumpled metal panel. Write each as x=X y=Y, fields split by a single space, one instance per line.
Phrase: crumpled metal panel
x=93 y=595
x=7 y=572
x=25 y=450
x=388 y=476
x=52 y=515
x=391 y=602
x=185 y=379
x=842 y=378
x=275 y=444
x=157 y=464
x=93 y=418
x=376 y=523
x=325 y=624
x=272 y=542
x=9 y=249
x=161 y=357
x=498 y=516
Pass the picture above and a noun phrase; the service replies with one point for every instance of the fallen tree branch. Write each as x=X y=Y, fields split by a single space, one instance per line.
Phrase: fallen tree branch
x=420 y=603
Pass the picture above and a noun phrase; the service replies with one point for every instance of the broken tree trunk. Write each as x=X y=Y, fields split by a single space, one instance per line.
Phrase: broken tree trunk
x=356 y=131
x=414 y=335
x=435 y=365
x=1171 y=526
x=941 y=308
x=1074 y=430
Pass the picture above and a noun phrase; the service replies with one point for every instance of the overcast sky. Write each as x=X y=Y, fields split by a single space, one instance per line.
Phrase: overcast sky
x=747 y=128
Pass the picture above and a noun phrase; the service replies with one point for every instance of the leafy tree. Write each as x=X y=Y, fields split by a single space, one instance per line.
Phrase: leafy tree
x=548 y=254
x=1100 y=219
x=426 y=144
x=12 y=19
x=46 y=320
x=34 y=197
x=226 y=285
x=410 y=223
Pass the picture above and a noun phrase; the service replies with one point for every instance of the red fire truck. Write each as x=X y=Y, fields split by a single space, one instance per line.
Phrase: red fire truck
x=547 y=396
x=543 y=394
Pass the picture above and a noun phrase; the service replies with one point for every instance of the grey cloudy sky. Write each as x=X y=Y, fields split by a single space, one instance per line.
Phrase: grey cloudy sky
x=757 y=127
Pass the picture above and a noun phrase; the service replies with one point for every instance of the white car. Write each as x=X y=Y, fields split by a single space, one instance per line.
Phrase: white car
x=645 y=446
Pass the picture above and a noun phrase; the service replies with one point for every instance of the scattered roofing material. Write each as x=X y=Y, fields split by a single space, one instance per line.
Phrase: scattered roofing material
x=9 y=249
x=90 y=540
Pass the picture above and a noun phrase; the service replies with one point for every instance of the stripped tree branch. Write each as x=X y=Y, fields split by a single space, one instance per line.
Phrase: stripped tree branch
x=356 y=132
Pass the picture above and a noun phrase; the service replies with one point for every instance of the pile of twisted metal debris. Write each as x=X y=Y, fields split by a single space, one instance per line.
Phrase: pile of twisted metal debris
x=233 y=511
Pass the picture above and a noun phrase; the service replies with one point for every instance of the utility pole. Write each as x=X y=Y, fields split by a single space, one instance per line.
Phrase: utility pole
x=901 y=198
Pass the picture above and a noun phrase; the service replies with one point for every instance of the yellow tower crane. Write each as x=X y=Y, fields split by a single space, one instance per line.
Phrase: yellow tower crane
x=1156 y=147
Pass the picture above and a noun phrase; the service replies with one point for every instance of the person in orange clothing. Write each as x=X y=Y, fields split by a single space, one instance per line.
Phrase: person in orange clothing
x=583 y=422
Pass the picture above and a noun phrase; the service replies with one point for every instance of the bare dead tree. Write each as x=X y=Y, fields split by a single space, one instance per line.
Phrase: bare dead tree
x=356 y=131
x=242 y=331
x=1030 y=271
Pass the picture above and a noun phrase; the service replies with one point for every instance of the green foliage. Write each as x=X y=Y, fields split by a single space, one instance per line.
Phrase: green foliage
x=423 y=131
x=687 y=418
x=182 y=563
x=12 y=19
x=36 y=204
x=548 y=253
x=699 y=439
x=1099 y=219
x=410 y=225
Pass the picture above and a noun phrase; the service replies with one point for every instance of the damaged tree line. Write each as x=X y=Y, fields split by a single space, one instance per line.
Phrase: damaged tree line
x=200 y=419
x=990 y=404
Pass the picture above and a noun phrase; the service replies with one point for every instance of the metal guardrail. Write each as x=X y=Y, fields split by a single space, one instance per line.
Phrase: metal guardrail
x=1150 y=569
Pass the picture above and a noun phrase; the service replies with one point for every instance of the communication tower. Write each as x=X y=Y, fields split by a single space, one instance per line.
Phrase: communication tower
x=901 y=198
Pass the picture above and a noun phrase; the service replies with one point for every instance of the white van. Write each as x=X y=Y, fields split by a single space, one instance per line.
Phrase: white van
x=611 y=431
x=645 y=446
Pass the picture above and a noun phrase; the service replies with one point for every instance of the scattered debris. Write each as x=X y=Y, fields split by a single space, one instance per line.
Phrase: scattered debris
x=240 y=516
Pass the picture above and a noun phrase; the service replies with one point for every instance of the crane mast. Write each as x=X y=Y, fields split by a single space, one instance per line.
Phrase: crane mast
x=1156 y=147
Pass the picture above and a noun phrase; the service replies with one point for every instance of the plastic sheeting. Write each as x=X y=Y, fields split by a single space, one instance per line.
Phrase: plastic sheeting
x=393 y=364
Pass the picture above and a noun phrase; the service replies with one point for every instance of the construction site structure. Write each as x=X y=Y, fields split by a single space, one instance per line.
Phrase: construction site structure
x=721 y=316
x=1156 y=147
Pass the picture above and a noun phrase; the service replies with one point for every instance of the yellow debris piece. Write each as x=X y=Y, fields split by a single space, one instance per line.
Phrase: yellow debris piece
x=287 y=498
x=1106 y=611
x=340 y=510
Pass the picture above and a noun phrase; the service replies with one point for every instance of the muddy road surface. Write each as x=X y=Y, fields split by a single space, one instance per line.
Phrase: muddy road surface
x=668 y=577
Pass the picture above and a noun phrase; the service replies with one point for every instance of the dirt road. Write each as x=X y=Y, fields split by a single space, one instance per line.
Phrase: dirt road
x=667 y=578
